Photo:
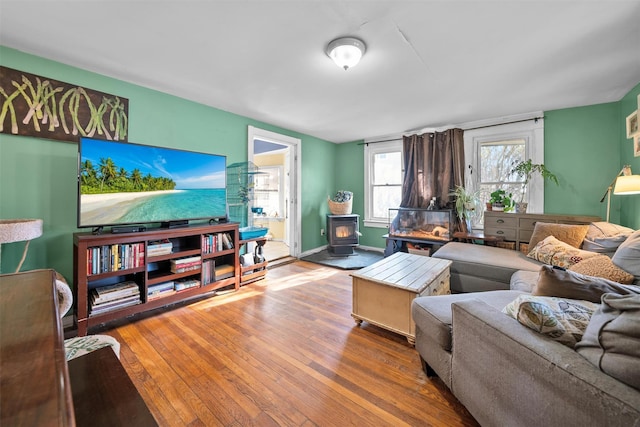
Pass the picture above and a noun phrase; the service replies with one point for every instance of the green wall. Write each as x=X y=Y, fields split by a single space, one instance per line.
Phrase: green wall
x=584 y=146
x=630 y=205
x=38 y=176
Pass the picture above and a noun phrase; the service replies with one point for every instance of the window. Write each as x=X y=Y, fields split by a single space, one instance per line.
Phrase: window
x=491 y=151
x=495 y=160
x=383 y=181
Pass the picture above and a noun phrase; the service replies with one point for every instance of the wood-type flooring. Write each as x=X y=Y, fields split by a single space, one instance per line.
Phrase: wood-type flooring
x=283 y=351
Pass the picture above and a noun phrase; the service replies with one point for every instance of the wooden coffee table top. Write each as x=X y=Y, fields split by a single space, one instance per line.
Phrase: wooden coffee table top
x=405 y=271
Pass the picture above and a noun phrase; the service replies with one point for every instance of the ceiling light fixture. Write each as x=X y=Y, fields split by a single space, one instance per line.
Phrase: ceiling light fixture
x=346 y=51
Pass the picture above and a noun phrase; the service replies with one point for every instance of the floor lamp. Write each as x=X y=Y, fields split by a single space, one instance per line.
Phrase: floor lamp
x=19 y=230
x=623 y=184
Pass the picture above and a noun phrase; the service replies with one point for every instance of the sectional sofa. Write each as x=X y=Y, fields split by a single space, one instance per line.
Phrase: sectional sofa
x=503 y=370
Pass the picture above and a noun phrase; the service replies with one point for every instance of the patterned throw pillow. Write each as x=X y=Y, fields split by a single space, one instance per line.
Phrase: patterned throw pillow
x=554 y=252
x=602 y=266
x=562 y=320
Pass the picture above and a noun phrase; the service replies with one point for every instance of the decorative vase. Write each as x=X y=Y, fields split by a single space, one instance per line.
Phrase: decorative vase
x=521 y=207
x=488 y=206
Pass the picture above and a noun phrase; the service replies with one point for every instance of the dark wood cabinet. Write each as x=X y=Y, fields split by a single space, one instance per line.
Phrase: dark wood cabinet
x=126 y=257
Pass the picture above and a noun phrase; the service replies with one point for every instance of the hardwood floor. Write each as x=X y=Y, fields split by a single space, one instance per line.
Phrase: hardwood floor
x=280 y=351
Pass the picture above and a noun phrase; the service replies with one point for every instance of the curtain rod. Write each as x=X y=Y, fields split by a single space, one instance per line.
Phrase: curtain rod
x=507 y=123
x=479 y=127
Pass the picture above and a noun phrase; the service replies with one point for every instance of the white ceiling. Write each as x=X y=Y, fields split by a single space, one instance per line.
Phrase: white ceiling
x=428 y=63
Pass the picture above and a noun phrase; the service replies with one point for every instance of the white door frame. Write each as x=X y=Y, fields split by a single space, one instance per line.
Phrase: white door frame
x=295 y=161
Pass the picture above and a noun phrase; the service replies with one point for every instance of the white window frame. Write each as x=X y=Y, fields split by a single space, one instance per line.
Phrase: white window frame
x=370 y=150
x=532 y=131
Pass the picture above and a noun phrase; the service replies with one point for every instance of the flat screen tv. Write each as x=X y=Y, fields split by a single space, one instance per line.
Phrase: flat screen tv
x=122 y=184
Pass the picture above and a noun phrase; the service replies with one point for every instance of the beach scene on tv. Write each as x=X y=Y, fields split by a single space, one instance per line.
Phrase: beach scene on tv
x=122 y=183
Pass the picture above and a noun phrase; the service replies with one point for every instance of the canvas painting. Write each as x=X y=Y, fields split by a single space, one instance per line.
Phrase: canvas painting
x=40 y=107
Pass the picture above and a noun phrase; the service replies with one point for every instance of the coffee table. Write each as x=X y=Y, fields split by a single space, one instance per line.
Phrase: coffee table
x=383 y=291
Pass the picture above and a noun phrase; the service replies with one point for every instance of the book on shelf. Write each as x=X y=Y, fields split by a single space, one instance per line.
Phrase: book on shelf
x=160 y=294
x=115 y=302
x=182 y=285
x=186 y=260
x=159 y=247
x=160 y=290
x=160 y=287
x=208 y=271
x=107 y=258
x=95 y=310
x=216 y=242
x=185 y=268
x=224 y=271
x=115 y=291
x=226 y=240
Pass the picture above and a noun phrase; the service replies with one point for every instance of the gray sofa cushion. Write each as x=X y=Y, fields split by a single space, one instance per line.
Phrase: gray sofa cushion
x=628 y=254
x=523 y=280
x=485 y=264
x=612 y=339
x=433 y=314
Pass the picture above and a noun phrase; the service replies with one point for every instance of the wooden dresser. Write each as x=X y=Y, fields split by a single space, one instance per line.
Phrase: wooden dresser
x=37 y=385
x=518 y=228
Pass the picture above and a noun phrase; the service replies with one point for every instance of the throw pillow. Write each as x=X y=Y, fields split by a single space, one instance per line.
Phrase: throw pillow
x=562 y=320
x=605 y=237
x=627 y=257
x=557 y=282
x=602 y=266
x=612 y=339
x=572 y=234
x=554 y=252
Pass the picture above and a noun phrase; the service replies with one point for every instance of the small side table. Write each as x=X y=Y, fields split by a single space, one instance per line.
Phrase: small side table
x=472 y=237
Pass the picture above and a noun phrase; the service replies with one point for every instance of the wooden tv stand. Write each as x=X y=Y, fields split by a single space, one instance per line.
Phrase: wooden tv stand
x=149 y=270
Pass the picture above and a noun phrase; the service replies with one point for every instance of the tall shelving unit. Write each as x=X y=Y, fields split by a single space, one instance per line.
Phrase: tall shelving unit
x=241 y=193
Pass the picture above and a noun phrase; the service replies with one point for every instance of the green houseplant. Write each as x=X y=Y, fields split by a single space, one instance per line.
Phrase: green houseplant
x=467 y=205
x=501 y=201
x=527 y=169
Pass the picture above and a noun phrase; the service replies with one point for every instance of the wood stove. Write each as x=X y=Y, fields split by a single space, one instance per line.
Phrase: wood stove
x=342 y=234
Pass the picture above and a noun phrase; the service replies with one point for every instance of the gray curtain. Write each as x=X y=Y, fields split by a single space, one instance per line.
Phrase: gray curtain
x=434 y=166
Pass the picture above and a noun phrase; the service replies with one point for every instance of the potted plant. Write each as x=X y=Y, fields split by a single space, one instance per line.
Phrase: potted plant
x=467 y=204
x=501 y=201
x=526 y=169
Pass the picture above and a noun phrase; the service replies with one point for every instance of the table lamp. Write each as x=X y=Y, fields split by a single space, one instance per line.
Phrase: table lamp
x=625 y=183
x=20 y=230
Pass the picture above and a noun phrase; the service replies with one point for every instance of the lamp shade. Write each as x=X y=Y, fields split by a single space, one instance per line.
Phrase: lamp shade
x=629 y=184
x=19 y=230
x=346 y=51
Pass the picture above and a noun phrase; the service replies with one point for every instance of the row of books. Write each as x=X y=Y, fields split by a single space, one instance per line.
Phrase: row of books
x=113 y=297
x=216 y=242
x=164 y=289
x=103 y=259
x=159 y=247
x=181 y=265
x=212 y=272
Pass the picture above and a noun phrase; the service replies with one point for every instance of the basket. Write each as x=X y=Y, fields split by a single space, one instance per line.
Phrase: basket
x=340 y=208
x=506 y=245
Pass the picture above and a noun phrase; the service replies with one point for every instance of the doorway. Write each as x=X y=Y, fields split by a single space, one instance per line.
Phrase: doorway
x=277 y=187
